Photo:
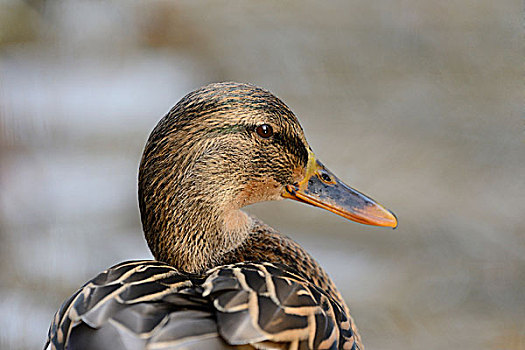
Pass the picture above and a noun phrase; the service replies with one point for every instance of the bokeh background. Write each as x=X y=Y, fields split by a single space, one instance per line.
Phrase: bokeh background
x=416 y=103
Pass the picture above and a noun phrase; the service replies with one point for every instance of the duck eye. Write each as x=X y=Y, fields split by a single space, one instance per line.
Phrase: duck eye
x=264 y=130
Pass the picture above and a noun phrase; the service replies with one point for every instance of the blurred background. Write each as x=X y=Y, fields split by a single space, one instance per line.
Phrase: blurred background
x=417 y=103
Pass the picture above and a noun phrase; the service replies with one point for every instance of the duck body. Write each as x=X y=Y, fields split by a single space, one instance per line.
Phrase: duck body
x=269 y=293
x=243 y=305
x=221 y=279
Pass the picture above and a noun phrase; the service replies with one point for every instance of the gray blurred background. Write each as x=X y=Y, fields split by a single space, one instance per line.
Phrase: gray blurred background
x=417 y=103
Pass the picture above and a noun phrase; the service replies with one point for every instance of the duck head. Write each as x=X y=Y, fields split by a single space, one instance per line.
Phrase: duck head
x=220 y=148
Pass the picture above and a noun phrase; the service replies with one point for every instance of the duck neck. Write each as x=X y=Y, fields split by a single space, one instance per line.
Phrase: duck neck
x=187 y=231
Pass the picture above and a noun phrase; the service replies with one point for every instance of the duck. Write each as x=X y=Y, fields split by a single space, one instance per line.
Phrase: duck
x=221 y=279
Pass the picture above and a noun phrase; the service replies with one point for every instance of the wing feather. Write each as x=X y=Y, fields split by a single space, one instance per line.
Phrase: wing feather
x=150 y=305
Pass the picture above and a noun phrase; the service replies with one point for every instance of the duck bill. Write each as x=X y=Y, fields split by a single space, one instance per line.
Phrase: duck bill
x=323 y=189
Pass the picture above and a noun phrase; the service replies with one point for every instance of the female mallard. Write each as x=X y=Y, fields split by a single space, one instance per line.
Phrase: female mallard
x=222 y=279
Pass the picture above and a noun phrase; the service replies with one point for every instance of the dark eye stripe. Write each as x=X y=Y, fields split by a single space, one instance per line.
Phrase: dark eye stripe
x=227 y=129
x=293 y=145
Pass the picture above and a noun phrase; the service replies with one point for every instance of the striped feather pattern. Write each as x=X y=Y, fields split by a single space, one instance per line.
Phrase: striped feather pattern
x=150 y=305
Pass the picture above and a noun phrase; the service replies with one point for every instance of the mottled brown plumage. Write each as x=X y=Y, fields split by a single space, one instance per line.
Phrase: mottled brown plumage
x=222 y=279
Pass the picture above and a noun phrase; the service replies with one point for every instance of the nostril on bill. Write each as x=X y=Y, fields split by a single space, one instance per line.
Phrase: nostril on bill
x=325 y=177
